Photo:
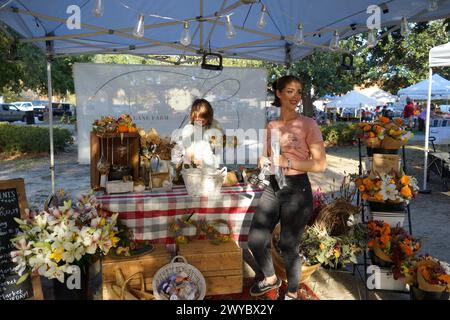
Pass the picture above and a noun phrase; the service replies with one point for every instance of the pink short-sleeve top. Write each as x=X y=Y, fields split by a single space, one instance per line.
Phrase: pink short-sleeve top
x=296 y=136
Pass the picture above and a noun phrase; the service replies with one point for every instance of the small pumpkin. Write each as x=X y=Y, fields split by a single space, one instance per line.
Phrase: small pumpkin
x=122 y=128
x=132 y=129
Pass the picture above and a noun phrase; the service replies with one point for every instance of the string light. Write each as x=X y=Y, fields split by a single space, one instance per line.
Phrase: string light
x=334 y=43
x=371 y=39
x=231 y=33
x=432 y=5
x=404 y=28
x=262 y=21
x=138 y=31
x=97 y=11
x=298 y=36
x=185 y=38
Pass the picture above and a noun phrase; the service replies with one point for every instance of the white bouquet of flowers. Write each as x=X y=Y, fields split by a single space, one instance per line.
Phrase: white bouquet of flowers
x=52 y=242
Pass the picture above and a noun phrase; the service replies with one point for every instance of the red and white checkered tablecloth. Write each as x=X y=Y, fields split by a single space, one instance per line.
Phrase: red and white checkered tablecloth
x=149 y=214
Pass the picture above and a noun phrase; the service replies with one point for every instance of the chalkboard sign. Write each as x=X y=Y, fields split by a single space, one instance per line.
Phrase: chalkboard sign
x=12 y=205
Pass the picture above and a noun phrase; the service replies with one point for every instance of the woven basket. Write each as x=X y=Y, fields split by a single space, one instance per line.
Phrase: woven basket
x=177 y=267
x=305 y=272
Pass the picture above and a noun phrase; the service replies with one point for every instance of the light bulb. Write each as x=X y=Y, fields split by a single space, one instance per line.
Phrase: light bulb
x=432 y=5
x=231 y=33
x=185 y=38
x=334 y=43
x=404 y=28
x=298 y=36
x=262 y=21
x=371 y=39
x=138 y=31
x=98 y=8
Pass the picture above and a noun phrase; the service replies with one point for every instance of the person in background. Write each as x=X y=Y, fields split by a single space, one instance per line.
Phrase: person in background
x=408 y=113
x=302 y=151
x=200 y=135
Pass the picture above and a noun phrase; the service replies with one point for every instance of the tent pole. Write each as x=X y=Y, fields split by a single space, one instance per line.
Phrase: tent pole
x=50 y=119
x=427 y=135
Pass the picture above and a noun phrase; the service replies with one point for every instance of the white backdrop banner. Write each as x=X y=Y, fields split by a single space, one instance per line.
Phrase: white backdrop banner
x=160 y=97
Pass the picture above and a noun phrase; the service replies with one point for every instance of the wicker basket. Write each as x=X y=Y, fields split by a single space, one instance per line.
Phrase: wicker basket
x=305 y=272
x=203 y=182
x=177 y=267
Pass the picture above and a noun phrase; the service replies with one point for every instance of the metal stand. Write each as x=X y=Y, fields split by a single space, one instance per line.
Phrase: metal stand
x=364 y=219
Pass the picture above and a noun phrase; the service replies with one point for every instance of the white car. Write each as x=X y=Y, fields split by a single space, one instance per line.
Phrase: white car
x=24 y=105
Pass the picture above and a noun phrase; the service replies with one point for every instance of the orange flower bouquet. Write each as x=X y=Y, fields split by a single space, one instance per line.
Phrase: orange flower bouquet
x=391 y=244
x=371 y=134
x=433 y=275
x=396 y=135
x=392 y=188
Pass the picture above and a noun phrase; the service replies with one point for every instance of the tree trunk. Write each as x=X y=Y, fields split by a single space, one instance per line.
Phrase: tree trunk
x=308 y=109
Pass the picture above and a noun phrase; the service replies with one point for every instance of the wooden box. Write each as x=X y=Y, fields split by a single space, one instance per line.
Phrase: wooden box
x=149 y=264
x=110 y=142
x=221 y=265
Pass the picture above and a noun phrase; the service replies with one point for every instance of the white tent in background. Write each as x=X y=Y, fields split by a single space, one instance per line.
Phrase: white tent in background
x=353 y=100
x=441 y=87
x=378 y=94
x=439 y=57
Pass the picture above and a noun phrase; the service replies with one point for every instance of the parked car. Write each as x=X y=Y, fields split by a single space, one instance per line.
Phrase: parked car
x=40 y=107
x=24 y=105
x=10 y=113
x=61 y=109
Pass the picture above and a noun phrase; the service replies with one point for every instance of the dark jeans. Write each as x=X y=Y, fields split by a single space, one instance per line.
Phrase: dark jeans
x=421 y=125
x=292 y=206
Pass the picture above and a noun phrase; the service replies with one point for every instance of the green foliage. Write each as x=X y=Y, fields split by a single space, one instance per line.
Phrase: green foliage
x=68 y=119
x=25 y=139
x=338 y=134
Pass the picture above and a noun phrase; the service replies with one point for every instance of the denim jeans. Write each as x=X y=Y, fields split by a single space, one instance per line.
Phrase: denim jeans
x=292 y=206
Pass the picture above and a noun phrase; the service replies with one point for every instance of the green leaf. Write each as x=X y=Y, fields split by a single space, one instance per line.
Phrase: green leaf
x=23 y=278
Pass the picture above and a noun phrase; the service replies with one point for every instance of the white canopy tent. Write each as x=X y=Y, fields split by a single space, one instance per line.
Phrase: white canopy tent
x=439 y=57
x=382 y=97
x=353 y=100
x=440 y=88
x=69 y=27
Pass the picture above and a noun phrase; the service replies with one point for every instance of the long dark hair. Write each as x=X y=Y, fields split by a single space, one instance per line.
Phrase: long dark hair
x=280 y=84
x=202 y=108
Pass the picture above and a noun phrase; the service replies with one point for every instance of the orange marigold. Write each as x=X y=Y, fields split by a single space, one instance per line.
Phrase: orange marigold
x=405 y=180
x=398 y=121
x=406 y=192
x=365 y=196
x=384 y=119
x=361 y=188
x=372 y=135
x=379 y=196
x=367 y=127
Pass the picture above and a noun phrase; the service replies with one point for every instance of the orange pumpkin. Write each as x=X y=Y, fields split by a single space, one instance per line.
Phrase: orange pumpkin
x=122 y=128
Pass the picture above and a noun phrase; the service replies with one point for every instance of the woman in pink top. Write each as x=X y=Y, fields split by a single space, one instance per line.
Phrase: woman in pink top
x=302 y=151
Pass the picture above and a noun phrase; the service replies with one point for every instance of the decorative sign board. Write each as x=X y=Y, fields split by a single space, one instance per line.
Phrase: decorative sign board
x=12 y=205
x=385 y=163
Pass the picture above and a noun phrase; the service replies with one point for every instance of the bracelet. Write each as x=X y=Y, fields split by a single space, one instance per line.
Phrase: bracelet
x=289 y=164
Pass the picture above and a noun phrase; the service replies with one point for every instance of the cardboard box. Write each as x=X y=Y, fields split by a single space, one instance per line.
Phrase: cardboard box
x=221 y=265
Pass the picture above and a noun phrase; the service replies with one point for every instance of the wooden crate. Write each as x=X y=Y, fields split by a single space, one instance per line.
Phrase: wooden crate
x=110 y=143
x=221 y=265
x=149 y=264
